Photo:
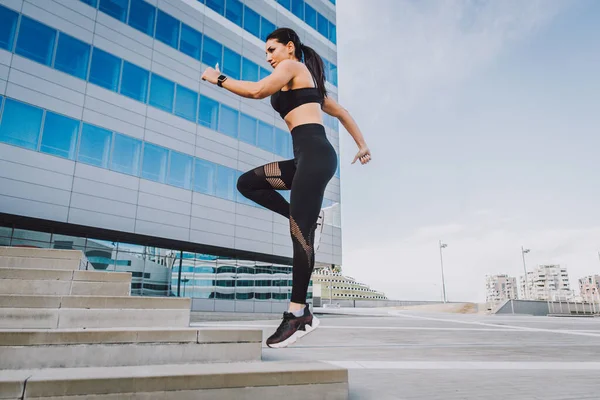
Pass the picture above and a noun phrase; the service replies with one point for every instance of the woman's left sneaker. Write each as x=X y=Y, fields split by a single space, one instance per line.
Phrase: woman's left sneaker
x=293 y=328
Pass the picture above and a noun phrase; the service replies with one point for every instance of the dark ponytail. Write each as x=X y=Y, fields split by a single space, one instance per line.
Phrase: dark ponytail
x=306 y=54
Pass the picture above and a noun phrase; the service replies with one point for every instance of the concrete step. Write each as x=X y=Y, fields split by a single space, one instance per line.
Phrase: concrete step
x=54 y=312
x=60 y=348
x=26 y=257
x=299 y=380
x=64 y=282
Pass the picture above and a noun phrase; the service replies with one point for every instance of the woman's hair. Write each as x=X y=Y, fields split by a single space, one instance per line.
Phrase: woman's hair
x=311 y=59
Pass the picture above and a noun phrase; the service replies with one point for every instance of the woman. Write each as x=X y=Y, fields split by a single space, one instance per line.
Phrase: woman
x=298 y=94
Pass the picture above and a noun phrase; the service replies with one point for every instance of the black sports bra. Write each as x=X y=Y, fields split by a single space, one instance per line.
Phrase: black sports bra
x=285 y=101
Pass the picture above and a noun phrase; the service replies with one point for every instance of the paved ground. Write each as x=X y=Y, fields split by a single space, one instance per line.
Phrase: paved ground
x=425 y=356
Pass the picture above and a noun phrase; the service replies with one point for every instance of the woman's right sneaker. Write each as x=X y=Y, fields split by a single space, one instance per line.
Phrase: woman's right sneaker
x=293 y=328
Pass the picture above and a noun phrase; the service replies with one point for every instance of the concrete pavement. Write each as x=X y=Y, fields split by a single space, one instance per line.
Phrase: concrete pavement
x=407 y=355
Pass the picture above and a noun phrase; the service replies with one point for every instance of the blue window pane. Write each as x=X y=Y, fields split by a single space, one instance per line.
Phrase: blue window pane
x=225 y=183
x=180 y=170
x=249 y=70
x=265 y=136
x=36 y=41
x=322 y=25
x=232 y=63
x=266 y=27
x=212 y=52
x=92 y=3
x=20 y=125
x=167 y=29
x=186 y=103
x=115 y=8
x=228 y=123
x=8 y=25
x=190 y=42
x=285 y=3
x=282 y=143
x=162 y=93
x=209 y=112
x=252 y=21
x=60 y=135
x=298 y=8
x=134 y=83
x=204 y=177
x=311 y=16
x=248 y=129
x=105 y=70
x=264 y=73
x=154 y=165
x=72 y=56
x=332 y=33
x=234 y=11
x=126 y=155
x=141 y=16
x=94 y=146
x=334 y=74
x=216 y=5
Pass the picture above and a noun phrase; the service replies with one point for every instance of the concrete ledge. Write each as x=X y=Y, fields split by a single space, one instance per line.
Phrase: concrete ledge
x=22 y=349
x=31 y=318
x=100 y=288
x=35 y=287
x=47 y=318
x=28 y=301
x=38 y=263
x=111 y=381
x=63 y=288
x=64 y=275
x=331 y=391
x=31 y=252
x=126 y=302
x=31 y=337
x=12 y=384
x=33 y=301
x=36 y=274
x=99 y=276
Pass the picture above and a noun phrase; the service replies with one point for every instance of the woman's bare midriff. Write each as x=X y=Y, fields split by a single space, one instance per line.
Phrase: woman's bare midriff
x=309 y=113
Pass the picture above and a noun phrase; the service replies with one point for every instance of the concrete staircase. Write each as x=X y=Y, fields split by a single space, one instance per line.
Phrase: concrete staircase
x=72 y=334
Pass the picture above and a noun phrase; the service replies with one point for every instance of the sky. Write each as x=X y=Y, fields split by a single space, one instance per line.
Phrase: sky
x=483 y=120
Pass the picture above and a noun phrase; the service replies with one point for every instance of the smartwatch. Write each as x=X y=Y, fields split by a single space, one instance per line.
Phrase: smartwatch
x=221 y=79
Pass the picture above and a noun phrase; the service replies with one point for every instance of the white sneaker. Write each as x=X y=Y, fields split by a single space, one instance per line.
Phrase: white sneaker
x=319 y=229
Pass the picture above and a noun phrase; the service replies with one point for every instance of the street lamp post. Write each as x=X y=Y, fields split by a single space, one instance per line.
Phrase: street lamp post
x=442 y=246
x=523 y=252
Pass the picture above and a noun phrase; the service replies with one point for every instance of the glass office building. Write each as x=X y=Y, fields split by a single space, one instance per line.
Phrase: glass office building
x=110 y=142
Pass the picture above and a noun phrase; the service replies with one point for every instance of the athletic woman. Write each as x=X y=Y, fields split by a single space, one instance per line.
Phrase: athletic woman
x=298 y=94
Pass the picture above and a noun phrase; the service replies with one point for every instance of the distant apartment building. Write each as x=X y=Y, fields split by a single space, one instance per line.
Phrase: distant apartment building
x=589 y=288
x=546 y=282
x=500 y=287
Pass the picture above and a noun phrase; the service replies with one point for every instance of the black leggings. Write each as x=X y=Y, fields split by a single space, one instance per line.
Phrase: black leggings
x=307 y=175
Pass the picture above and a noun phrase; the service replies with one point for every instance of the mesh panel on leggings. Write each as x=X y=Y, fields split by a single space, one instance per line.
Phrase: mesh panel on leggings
x=272 y=174
x=297 y=234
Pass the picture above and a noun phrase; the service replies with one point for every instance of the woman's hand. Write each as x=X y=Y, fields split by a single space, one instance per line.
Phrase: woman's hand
x=363 y=155
x=211 y=74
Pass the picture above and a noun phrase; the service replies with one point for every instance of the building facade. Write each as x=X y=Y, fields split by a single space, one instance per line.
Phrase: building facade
x=500 y=287
x=111 y=143
x=546 y=282
x=589 y=288
x=330 y=284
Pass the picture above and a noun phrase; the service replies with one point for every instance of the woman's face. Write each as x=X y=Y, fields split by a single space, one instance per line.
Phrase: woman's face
x=277 y=52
